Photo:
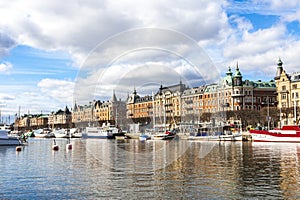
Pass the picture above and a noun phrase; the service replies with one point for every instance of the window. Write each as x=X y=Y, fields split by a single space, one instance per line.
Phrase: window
x=283 y=87
x=294 y=86
x=283 y=104
x=283 y=96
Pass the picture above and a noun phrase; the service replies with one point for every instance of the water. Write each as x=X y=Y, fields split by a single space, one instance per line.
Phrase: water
x=111 y=169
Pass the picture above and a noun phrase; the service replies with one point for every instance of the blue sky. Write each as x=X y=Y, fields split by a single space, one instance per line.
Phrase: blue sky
x=49 y=49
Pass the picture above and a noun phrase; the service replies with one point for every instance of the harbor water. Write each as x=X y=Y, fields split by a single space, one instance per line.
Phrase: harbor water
x=131 y=169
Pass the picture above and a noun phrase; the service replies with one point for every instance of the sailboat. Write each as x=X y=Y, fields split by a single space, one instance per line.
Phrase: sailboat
x=162 y=134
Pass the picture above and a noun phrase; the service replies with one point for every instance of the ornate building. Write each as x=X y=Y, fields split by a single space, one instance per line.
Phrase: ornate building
x=162 y=108
x=83 y=115
x=98 y=112
x=178 y=104
x=288 y=92
x=31 y=122
x=112 y=111
x=60 y=119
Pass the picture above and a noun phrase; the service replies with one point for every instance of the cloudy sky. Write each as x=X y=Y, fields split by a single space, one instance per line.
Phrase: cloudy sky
x=53 y=53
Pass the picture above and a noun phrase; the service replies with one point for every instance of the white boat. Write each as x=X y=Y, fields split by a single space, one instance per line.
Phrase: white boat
x=132 y=135
x=144 y=137
x=168 y=135
x=289 y=133
x=61 y=133
x=208 y=132
x=4 y=127
x=232 y=137
x=75 y=133
x=105 y=132
x=42 y=133
x=6 y=140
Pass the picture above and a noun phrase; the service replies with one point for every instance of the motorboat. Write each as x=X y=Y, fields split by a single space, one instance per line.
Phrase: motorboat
x=104 y=132
x=168 y=135
x=43 y=133
x=288 y=133
x=144 y=137
x=61 y=133
x=6 y=140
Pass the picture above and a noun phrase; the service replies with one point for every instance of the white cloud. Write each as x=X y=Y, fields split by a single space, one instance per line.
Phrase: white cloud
x=77 y=27
x=59 y=90
x=5 y=68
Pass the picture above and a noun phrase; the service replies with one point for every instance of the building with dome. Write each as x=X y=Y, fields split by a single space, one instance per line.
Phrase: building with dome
x=182 y=105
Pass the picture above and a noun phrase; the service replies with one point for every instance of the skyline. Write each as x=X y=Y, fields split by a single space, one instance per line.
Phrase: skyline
x=47 y=48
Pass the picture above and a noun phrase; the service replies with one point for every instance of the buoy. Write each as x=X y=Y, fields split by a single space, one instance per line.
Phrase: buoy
x=69 y=146
x=18 y=148
x=55 y=146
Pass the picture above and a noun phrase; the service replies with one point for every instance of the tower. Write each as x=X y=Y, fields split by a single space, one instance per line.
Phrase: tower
x=279 y=69
x=237 y=78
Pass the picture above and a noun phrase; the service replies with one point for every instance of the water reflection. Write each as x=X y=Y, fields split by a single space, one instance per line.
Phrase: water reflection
x=131 y=169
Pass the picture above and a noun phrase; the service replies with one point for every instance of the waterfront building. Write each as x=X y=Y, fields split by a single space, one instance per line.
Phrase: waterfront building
x=139 y=109
x=167 y=105
x=99 y=112
x=39 y=121
x=112 y=111
x=192 y=104
x=82 y=116
x=31 y=121
x=162 y=108
x=60 y=119
x=288 y=91
x=179 y=105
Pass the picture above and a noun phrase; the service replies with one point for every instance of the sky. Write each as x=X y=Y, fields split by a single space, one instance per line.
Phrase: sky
x=53 y=53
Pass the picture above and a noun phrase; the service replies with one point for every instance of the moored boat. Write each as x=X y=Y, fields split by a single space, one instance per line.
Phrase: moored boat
x=144 y=137
x=6 y=140
x=43 y=133
x=105 y=132
x=62 y=133
x=288 y=133
x=168 y=135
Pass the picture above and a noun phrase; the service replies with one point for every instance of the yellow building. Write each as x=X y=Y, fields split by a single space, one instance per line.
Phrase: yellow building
x=288 y=95
x=162 y=108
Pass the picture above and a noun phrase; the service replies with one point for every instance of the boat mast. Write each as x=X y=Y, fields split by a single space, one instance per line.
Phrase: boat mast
x=295 y=113
x=153 y=113
x=164 y=110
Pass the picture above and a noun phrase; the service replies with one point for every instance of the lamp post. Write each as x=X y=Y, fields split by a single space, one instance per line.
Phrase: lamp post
x=268 y=111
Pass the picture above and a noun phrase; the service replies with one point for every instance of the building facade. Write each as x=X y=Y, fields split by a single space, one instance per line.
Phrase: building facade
x=98 y=112
x=178 y=105
x=31 y=121
x=288 y=95
x=60 y=119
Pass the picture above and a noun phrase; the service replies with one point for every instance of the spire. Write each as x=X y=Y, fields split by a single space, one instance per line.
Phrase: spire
x=237 y=71
x=237 y=78
x=114 y=98
x=279 y=69
x=134 y=91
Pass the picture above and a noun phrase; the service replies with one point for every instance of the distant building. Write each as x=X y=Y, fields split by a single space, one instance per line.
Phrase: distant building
x=162 y=108
x=98 y=112
x=60 y=119
x=83 y=116
x=31 y=121
x=112 y=111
